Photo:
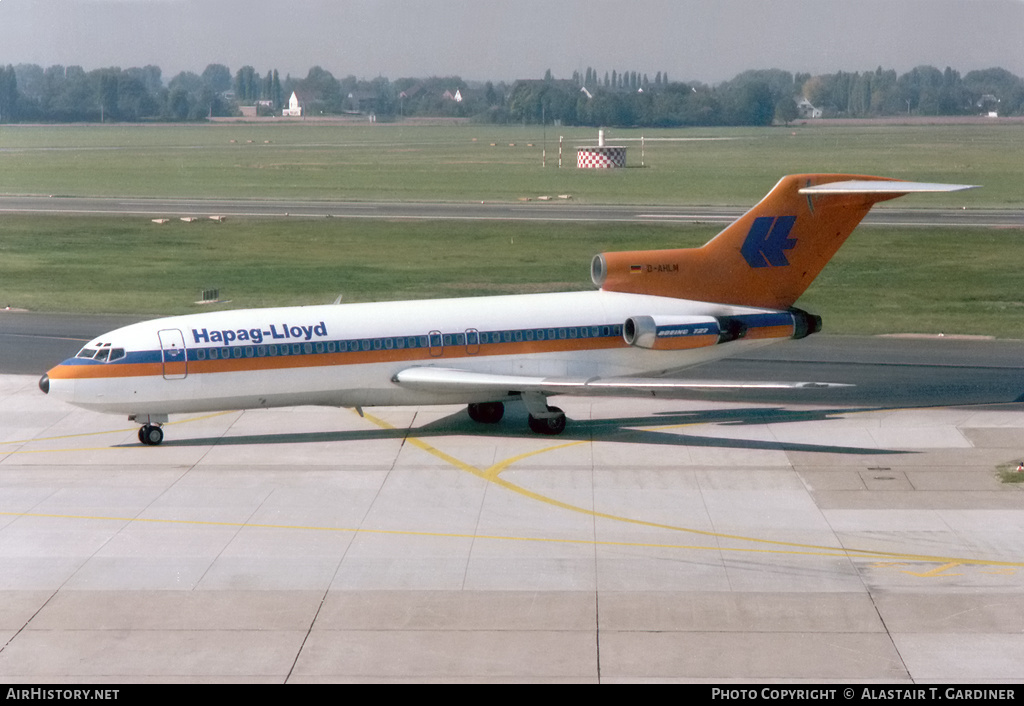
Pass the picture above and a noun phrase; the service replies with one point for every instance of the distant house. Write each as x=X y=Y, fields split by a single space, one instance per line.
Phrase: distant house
x=806 y=110
x=411 y=92
x=294 y=109
x=989 y=105
x=449 y=96
x=362 y=101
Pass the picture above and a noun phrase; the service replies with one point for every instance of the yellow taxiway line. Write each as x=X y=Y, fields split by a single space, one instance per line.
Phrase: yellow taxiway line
x=492 y=474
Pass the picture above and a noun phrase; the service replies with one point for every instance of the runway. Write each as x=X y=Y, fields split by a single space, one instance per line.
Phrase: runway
x=553 y=209
x=840 y=539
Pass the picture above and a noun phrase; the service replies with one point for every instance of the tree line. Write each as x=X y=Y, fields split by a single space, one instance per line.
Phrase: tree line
x=30 y=93
x=763 y=97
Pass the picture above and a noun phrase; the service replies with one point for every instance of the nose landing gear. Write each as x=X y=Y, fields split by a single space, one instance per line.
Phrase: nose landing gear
x=151 y=434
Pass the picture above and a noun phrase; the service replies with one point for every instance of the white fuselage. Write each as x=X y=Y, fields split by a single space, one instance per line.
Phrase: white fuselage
x=347 y=355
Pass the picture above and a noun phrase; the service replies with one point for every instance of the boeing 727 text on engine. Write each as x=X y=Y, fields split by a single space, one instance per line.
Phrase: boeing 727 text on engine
x=654 y=312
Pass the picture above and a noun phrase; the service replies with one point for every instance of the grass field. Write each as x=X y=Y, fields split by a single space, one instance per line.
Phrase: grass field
x=477 y=162
x=883 y=280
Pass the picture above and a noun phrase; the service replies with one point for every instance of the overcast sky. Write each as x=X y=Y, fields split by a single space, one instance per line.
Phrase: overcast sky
x=703 y=40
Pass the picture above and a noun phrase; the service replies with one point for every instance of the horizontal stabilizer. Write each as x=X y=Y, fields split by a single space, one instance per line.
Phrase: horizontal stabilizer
x=882 y=187
x=452 y=380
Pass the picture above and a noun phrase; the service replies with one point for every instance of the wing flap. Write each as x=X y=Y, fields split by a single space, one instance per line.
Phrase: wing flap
x=453 y=380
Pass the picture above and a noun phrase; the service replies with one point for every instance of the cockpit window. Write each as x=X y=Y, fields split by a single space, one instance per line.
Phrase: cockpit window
x=105 y=353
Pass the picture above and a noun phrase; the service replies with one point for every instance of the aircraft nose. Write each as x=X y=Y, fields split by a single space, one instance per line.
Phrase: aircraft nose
x=44 y=384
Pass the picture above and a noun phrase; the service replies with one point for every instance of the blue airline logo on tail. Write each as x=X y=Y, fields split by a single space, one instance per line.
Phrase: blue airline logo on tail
x=768 y=240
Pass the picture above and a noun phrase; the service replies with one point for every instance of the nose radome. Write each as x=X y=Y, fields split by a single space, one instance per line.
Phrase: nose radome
x=44 y=384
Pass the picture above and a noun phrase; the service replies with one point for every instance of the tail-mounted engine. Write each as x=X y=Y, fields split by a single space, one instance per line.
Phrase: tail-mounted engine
x=672 y=332
x=684 y=332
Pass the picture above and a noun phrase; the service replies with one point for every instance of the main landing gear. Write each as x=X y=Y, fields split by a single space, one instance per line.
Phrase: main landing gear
x=552 y=425
x=543 y=419
x=486 y=412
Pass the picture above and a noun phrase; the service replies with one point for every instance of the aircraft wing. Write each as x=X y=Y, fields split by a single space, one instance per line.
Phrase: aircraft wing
x=453 y=380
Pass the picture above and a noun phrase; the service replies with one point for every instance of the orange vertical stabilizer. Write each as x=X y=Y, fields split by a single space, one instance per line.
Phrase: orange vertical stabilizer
x=770 y=255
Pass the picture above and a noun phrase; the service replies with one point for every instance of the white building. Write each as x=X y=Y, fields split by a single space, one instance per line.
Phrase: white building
x=805 y=110
x=294 y=110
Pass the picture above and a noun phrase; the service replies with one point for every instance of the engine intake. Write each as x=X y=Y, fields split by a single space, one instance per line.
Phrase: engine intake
x=671 y=332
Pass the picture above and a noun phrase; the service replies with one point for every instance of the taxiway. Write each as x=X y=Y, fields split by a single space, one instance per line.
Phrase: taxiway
x=820 y=539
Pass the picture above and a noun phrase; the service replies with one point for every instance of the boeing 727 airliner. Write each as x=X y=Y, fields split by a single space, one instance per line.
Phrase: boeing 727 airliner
x=653 y=312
